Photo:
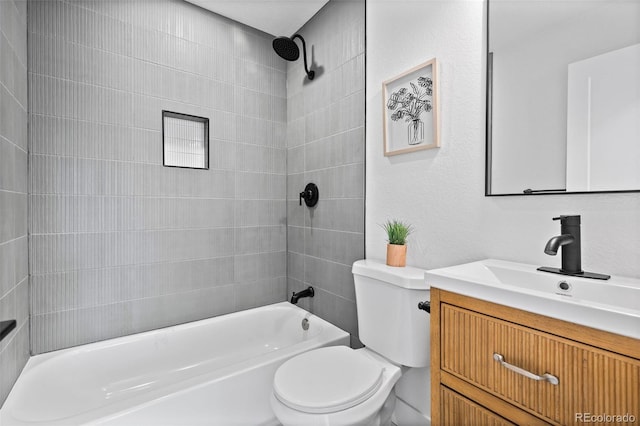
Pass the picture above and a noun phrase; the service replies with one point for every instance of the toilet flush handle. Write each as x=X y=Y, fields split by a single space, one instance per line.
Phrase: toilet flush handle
x=425 y=306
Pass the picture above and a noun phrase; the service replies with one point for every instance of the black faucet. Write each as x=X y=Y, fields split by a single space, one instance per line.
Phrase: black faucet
x=308 y=292
x=569 y=240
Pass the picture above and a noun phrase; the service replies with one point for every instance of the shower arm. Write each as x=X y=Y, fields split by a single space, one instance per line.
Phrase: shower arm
x=310 y=74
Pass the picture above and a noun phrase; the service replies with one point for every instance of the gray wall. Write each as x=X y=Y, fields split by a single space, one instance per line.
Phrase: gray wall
x=120 y=244
x=14 y=281
x=325 y=141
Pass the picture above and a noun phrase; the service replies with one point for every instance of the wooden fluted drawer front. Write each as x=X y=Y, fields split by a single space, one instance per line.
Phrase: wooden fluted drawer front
x=591 y=380
x=460 y=411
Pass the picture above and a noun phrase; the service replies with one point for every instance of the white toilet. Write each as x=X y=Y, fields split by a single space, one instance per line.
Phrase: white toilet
x=338 y=385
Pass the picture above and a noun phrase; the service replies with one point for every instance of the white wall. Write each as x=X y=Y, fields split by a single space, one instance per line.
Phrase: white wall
x=441 y=191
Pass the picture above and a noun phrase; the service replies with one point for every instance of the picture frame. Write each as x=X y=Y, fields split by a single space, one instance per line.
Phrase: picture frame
x=410 y=110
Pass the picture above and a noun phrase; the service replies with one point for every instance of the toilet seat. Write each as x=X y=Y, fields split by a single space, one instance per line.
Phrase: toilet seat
x=327 y=380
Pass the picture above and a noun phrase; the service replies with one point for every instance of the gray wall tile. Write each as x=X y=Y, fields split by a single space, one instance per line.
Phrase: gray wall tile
x=325 y=140
x=14 y=280
x=336 y=246
x=296 y=160
x=119 y=243
x=336 y=150
x=62 y=329
x=333 y=277
x=339 y=182
x=295 y=266
x=7 y=267
x=341 y=312
x=295 y=212
x=259 y=293
x=295 y=239
x=7 y=174
x=339 y=214
x=255 y=267
x=8 y=204
x=260 y=213
x=260 y=239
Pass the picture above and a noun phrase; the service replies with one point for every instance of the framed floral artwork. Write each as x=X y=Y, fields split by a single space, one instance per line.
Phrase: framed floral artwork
x=410 y=111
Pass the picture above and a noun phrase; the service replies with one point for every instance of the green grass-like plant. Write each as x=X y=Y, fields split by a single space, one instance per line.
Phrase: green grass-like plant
x=397 y=231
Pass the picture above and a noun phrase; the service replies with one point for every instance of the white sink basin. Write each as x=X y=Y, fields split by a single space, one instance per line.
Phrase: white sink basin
x=612 y=305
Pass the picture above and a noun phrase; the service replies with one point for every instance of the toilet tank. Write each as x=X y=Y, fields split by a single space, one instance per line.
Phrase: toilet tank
x=389 y=321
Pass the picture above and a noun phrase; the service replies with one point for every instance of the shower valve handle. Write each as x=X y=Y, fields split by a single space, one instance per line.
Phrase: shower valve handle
x=304 y=195
x=310 y=195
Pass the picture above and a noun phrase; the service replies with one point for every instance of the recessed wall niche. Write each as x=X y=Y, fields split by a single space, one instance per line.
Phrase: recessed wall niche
x=185 y=141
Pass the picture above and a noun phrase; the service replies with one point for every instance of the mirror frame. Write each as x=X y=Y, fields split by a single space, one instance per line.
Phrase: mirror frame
x=488 y=132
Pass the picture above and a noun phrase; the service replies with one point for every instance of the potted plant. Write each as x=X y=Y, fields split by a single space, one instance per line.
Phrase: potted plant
x=397 y=233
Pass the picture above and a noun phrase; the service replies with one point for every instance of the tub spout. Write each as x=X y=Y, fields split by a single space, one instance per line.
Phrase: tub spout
x=308 y=292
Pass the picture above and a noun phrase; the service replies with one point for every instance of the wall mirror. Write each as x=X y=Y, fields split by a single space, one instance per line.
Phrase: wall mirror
x=563 y=96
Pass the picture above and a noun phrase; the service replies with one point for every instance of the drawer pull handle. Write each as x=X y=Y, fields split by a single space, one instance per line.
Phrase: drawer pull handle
x=545 y=377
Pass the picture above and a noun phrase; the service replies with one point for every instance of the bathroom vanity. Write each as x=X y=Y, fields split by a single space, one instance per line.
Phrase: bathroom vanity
x=495 y=364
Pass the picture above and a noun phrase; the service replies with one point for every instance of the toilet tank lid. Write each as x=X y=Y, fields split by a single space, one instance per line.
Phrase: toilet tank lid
x=407 y=277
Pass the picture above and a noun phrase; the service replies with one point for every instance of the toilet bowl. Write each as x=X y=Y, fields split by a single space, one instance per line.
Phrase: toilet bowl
x=335 y=385
x=342 y=386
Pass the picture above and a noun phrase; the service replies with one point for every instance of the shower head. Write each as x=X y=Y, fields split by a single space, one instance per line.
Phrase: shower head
x=288 y=50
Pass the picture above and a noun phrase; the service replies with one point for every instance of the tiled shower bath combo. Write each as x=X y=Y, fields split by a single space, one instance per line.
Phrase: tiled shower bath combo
x=121 y=244
x=102 y=240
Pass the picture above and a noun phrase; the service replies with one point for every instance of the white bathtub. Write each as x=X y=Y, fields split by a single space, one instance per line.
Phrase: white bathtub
x=215 y=372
